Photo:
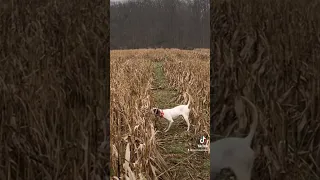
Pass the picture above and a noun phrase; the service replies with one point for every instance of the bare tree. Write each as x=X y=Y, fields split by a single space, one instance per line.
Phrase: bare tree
x=160 y=23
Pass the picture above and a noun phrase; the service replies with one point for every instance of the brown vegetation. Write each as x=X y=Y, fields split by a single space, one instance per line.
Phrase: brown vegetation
x=52 y=90
x=269 y=51
x=135 y=144
x=188 y=71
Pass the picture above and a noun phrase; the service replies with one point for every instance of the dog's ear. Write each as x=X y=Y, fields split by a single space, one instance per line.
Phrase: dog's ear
x=157 y=111
x=154 y=110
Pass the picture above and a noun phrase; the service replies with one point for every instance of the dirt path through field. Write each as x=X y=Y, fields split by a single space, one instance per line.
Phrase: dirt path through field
x=175 y=143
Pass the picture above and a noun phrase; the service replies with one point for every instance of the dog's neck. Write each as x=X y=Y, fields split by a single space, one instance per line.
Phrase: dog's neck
x=161 y=113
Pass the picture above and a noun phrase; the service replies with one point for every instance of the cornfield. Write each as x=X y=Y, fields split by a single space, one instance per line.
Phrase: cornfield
x=189 y=72
x=53 y=90
x=138 y=149
x=269 y=52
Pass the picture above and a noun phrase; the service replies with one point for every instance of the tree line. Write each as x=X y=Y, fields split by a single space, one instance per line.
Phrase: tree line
x=160 y=24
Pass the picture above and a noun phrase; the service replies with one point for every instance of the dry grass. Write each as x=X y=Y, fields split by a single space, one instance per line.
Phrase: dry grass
x=269 y=51
x=132 y=132
x=188 y=71
x=132 y=125
x=53 y=95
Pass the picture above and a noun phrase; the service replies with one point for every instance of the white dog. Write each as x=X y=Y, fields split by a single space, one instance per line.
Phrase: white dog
x=173 y=113
x=235 y=153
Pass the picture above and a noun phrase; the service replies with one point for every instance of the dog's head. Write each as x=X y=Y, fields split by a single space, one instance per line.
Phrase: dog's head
x=155 y=111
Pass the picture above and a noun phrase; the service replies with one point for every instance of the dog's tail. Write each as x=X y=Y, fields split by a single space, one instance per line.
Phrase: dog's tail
x=254 y=124
x=189 y=98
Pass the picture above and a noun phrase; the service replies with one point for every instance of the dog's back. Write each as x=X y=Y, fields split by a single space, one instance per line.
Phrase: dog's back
x=178 y=110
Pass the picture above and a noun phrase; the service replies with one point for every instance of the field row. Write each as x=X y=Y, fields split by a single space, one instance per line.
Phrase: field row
x=134 y=151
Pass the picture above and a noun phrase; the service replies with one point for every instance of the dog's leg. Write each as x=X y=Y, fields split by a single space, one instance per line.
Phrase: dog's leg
x=170 y=123
x=242 y=171
x=186 y=118
x=242 y=174
x=250 y=166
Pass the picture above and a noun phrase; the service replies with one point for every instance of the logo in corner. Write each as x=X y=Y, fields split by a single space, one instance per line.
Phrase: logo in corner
x=202 y=146
x=203 y=140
